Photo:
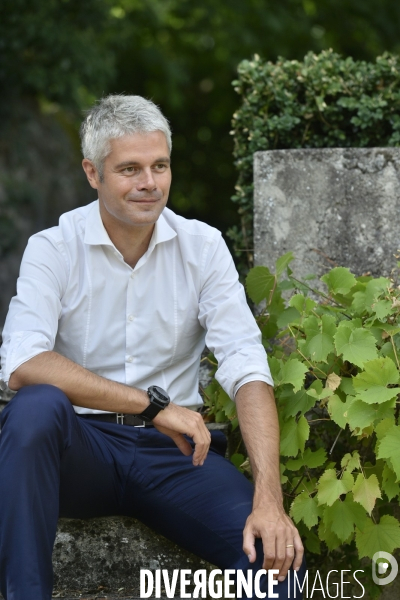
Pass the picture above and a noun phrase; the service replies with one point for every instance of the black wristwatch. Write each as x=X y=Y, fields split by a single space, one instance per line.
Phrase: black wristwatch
x=159 y=400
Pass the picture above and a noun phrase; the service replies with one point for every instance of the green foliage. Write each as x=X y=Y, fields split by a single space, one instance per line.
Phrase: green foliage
x=335 y=365
x=53 y=50
x=323 y=101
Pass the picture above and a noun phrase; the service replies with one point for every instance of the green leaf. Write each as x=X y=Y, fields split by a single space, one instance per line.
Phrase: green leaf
x=350 y=462
x=293 y=403
x=339 y=280
x=309 y=459
x=293 y=371
x=382 y=308
x=341 y=517
x=361 y=415
x=328 y=536
x=237 y=459
x=381 y=537
x=290 y=315
x=259 y=283
x=304 y=508
x=389 y=483
x=294 y=436
x=374 y=289
x=366 y=491
x=330 y=488
x=283 y=262
x=319 y=337
x=389 y=447
x=383 y=427
x=301 y=303
x=371 y=383
x=357 y=346
x=336 y=409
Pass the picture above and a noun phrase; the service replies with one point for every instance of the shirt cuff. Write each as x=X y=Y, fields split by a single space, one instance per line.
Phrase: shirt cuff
x=250 y=378
x=21 y=347
x=246 y=365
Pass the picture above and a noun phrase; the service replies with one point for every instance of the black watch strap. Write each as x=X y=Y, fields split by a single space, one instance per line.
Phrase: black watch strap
x=159 y=400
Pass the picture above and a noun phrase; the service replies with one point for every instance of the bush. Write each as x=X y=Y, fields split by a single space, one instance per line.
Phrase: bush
x=335 y=364
x=324 y=101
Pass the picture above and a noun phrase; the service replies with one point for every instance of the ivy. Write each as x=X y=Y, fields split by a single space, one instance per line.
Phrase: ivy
x=334 y=357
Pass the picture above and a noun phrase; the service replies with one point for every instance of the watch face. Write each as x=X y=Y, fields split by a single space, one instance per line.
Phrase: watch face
x=158 y=396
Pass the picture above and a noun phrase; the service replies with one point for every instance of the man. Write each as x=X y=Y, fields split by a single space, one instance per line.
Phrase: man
x=116 y=300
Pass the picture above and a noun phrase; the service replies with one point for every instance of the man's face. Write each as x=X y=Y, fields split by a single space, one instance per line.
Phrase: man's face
x=136 y=180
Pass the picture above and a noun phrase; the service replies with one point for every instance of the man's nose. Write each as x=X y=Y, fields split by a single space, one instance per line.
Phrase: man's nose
x=146 y=181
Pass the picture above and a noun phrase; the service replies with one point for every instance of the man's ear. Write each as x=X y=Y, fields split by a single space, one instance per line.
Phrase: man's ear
x=91 y=173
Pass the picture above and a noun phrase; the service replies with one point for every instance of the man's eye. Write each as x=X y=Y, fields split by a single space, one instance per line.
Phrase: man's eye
x=161 y=167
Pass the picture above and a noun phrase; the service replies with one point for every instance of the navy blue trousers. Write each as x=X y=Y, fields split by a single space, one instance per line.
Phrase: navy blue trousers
x=54 y=463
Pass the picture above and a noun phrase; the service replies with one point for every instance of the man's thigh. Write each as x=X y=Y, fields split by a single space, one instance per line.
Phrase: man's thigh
x=203 y=509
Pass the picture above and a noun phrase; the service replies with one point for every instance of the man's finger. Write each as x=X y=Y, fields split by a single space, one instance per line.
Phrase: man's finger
x=269 y=548
x=288 y=559
x=299 y=551
x=178 y=439
x=248 y=545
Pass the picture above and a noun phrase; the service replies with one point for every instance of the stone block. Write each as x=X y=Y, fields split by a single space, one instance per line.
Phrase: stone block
x=108 y=553
x=331 y=207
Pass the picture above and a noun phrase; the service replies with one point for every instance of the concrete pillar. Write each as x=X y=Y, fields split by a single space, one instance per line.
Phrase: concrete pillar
x=331 y=207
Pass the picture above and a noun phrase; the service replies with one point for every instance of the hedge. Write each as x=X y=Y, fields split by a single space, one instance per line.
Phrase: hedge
x=323 y=101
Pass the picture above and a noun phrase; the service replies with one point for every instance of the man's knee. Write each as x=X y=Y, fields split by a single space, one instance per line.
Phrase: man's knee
x=34 y=411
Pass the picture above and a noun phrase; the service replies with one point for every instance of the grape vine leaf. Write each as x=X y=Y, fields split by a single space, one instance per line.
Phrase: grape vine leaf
x=339 y=280
x=304 y=508
x=389 y=484
x=381 y=537
x=370 y=385
x=357 y=345
x=293 y=403
x=336 y=409
x=361 y=415
x=351 y=461
x=301 y=303
x=293 y=371
x=309 y=459
x=259 y=283
x=366 y=491
x=330 y=487
x=319 y=337
x=283 y=262
x=294 y=436
x=389 y=447
x=341 y=517
x=328 y=536
x=289 y=315
x=333 y=381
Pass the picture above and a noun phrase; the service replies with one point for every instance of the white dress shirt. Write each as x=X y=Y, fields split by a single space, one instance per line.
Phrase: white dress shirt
x=143 y=326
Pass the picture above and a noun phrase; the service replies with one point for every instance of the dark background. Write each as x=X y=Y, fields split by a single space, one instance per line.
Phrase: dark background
x=58 y=56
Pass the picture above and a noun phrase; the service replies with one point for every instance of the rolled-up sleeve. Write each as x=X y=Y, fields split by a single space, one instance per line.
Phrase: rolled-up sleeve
x=32 y=320
x=231 y=331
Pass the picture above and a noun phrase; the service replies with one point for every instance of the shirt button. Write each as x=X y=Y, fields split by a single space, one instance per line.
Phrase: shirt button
x=130 y=318
x=130 y=358
x=132 y=275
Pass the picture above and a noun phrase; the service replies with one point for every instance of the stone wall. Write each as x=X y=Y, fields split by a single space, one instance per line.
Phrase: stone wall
x=331 y=207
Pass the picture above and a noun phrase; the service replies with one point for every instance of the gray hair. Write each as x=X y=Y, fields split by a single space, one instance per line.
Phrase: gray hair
x=115 y=116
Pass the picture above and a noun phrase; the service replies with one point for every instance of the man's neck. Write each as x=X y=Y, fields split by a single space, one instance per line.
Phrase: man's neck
x=131 y=241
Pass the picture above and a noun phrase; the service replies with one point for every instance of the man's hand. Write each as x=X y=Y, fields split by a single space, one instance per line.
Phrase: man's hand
x=260 y=429
x=175 y=421
x=281 y=541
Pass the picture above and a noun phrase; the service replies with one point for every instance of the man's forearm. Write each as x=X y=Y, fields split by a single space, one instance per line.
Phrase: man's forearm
x=81 y=386
x=260 y=430
x=84 y=388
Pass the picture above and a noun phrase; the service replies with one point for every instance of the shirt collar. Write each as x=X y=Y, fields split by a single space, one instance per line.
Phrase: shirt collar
x=96 y=234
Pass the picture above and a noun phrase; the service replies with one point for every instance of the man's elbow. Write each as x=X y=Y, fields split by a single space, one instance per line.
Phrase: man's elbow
x=15 y=383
